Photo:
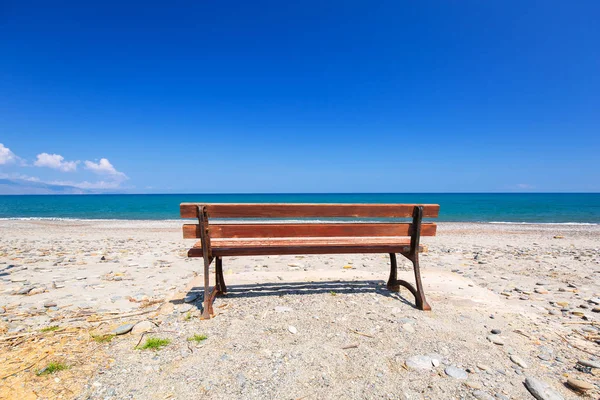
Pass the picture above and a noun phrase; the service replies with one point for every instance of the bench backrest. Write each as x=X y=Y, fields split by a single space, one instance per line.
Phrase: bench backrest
x=275 y=229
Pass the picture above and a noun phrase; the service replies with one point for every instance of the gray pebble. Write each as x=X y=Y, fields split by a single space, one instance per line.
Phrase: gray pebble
x=541 y=390
x=481 y=395
x=545 y=356
x=496 y=340
x=419 y=362
x=455 y=372
x=185 y=307
x=190 y=298
x=588 y=363
x=25 y=290
x=519 y=361
x=123 y=329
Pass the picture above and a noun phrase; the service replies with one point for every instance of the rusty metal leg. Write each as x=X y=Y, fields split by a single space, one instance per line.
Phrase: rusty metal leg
x=420 y=294
x=219 y=276
x=209 y=296
x=392 y=284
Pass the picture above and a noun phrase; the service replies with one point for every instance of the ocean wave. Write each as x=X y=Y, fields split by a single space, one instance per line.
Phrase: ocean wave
x=542 y=223
x=86 y=219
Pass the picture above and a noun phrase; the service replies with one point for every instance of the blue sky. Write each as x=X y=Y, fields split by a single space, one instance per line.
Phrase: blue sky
x=327 y=96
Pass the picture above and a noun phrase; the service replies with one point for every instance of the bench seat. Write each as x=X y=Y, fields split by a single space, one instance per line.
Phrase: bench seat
x=306 y=245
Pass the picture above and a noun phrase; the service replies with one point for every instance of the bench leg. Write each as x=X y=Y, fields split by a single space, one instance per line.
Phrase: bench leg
x=394 y=283
x=209 y=296
x=221 y=287
x=420 y=295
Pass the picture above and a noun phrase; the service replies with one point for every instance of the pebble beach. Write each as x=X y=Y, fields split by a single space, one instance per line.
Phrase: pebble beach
x=516 y=315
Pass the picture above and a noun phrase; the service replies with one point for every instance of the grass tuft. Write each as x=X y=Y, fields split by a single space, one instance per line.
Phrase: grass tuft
x=188 y=316
x=103 y=338
x=154 y=344
x=197 y=338
x=52 y=368
x=50 y=328
x=333 y=293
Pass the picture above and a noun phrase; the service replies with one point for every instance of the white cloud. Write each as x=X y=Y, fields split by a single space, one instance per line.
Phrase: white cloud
x=89 y=185
x=19 y=176
x=6 y=156
x=104 y=167
x=55 y=161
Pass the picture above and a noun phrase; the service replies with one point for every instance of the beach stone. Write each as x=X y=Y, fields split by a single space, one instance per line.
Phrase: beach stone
x=292 y=329
x=123 y=329
x=408 y=328
x=588 y=363
x=595 y=300
x=596 y=309
x=419 y=362
x=25 y=290
x=519 y=361
x=455 y=372
x=481 y=395
x=190 y=298
x=49 y=303
x=36 y=290
x=142 y=326
x=578 y=313
x=185 y=307
x=483 y=367
x=436 y=359
x=496 y=331
x=282 y=309
x=474 y=385
x=579 y=385
x=545 y=356
x=496 y=340
x=541 y=390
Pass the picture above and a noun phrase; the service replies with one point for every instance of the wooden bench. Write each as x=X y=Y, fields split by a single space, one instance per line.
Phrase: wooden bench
x=243 y=236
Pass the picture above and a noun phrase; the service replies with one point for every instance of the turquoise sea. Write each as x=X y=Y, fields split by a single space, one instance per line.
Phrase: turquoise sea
x=579 y=208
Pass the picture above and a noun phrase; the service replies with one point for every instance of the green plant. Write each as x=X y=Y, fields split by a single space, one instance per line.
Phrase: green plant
x=188 y=316
x=154 y=344
x=50 y=328
x=333 y=293
x=103 y=338
x=52 y=368
x=197 y=338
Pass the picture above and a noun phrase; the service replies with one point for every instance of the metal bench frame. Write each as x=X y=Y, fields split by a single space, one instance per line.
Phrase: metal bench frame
x=411 y=252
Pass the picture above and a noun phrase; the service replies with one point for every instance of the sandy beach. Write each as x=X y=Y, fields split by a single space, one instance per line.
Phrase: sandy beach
x=510 y=303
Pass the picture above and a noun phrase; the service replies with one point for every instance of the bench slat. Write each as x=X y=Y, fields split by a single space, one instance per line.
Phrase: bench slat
x=191 y=231
x=273 y=210
x=248 y=247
